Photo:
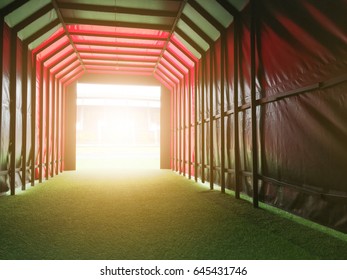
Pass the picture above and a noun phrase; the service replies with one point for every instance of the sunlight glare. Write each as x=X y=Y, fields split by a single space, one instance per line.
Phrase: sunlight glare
x=118 y=126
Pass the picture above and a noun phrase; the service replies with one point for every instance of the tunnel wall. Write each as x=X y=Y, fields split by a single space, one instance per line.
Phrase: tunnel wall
x=271 y=119
x=5 y=108
x=31 y=131
x=301 y=138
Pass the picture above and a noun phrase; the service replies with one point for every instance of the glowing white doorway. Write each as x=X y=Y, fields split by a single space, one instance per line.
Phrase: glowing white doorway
x=118 y=126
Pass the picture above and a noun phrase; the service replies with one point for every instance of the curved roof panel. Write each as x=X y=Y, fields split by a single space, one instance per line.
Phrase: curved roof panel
x=217 y=11
x=193 y=35
x=45 y=36
x=163 y=38
x=27 y=9
x=203 y=23
x=5 y=3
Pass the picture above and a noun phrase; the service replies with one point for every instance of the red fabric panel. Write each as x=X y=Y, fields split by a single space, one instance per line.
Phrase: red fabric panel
x=49 y=50
x=164 y=63
x=47 y=43
x=165 y=78
x=163 y=81
x=118 y=63
x=113 y=41
x=301 y=43
x=118 y=57
x=123 y=31
x=65 y=71
x=64 y=61
x=117 y=68
x=181 y=50
x=174 y=62
x=73 y=76
x=59 y=56
x=119 y=72
x=116 y=50
x=167 y=73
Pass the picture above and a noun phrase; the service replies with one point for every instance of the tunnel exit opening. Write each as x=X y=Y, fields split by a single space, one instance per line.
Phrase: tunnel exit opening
x=117 y=126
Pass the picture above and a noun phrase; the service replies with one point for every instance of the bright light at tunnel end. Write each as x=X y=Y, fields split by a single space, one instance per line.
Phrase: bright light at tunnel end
x=118 y=126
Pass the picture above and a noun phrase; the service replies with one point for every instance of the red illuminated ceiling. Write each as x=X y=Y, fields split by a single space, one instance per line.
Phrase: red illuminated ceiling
x=160 y=38
x=120 y=50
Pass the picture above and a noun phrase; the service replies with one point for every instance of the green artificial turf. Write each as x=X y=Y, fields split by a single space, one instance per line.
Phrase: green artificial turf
x=150 y=214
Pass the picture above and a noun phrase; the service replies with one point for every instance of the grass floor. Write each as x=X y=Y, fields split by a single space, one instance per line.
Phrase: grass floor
x=122 y=156
x=150 y=214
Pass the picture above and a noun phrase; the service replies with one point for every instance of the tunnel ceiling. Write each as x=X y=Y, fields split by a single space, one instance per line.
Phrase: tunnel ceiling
x=160 y=38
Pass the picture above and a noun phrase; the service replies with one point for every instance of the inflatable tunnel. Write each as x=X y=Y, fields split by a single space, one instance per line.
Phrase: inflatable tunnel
x=255 y=92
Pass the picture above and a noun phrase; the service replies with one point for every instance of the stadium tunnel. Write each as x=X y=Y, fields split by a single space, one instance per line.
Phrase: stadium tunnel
x=254 y=93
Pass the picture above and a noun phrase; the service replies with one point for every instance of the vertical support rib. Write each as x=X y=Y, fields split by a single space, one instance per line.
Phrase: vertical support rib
x=47 y=128
x=62 y=127
x=53 y=125
x=222 y=132
x=211 y=116
x=13 y=111
x=24 y=113
x=33 y=120
x=236 y=106
x=184 y=126
x=180 y=129
x=175 y=128
x=189 y=127
x=172 y=123
x=203 y=142
x=41 y=93
x=253 y=107
x=195 y=125
x=59 y=130
x=57 y=126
